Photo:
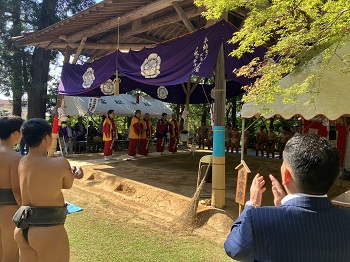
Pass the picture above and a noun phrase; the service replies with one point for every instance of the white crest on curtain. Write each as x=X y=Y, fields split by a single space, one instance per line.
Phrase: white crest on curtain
x=151 y=66
x=107 y=88
x=162 y=92
x=88 y=78
x=212 y=93
x=199 y=57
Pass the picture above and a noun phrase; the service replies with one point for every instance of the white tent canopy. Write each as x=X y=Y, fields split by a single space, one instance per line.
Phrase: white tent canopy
x=332 y=102
x=123 y=105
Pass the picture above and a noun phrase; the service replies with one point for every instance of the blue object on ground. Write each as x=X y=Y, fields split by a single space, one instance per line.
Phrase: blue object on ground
x=71 y=208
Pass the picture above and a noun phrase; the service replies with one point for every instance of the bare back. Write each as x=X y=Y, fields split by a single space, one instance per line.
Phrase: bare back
x=261 y=136
x=8 y=170
x=271 y=136
x=42 y=178
x=236 y=134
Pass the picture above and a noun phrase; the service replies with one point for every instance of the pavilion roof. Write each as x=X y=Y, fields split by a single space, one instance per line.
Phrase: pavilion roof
x=142 y=23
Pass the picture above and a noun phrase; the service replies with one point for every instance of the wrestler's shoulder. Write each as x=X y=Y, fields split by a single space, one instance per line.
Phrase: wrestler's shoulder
x=10 y=156
x=58 y=161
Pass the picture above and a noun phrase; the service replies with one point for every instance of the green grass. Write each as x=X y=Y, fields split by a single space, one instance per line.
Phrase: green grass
x=99 y=237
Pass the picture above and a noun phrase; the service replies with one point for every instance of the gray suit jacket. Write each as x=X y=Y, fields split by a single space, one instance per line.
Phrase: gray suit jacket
x=302 y=229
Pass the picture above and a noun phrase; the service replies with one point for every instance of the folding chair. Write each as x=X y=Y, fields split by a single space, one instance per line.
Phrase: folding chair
x=202 y=167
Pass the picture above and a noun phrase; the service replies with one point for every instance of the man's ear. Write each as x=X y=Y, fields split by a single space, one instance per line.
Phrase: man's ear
x=286 y=176
x=17 y=135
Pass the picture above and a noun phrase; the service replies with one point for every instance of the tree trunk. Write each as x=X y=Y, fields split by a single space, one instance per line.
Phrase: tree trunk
x=16 y=65
x=182 y=107
x=177 y=111
x=227 y=114
x=37 y=90
x=234 y=112
x=204 y=114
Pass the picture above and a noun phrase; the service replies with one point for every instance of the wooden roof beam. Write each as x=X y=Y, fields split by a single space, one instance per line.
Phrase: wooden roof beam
x=136 y=24
x=78 y=52
x=183 y=16
x=149 y=38
x=154 y=24
x=92 y=46
x=126 y=18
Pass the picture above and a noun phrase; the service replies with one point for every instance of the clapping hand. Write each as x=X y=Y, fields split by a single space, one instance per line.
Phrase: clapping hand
x=257 y=189
x=277 y=191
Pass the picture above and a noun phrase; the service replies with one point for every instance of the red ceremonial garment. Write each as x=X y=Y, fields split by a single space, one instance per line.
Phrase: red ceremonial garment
x=145 y=137
x=174 y=133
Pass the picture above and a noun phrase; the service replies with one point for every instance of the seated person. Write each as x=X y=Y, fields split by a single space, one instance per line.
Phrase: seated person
x=80 y=130
x=92 y=131
x=40 y=232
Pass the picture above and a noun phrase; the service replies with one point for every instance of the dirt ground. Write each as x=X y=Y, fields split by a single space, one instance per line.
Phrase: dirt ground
x=159 y=188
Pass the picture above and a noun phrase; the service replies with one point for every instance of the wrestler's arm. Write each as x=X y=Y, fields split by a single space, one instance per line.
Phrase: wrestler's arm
x=68 y=178
x=15 y=181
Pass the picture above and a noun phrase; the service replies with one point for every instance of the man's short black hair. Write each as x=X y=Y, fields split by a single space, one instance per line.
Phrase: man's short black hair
x=164 y=114
x=137 y=111
x=9 y=125
x=34 y=131
x=314 y=162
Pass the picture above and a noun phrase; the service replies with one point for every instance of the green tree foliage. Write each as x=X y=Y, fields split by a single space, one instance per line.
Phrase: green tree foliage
x=27 y=69
x=293 y=31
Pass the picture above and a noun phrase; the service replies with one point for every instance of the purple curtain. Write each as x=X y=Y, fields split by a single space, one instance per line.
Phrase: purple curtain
x=159 y=71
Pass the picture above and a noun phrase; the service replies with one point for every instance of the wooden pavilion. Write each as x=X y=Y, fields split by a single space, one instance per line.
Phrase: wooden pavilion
x=135 y=24
x=142 y=23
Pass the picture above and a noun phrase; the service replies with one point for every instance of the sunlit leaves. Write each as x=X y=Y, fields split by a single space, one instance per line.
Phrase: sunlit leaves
x=294 y=31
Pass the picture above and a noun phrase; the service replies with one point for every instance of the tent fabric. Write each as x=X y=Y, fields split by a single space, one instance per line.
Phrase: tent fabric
x=332 y=101
x=123 y=105
x=167 y=65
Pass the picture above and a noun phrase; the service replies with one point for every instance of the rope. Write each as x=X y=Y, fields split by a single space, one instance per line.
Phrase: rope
x=79 y=106
x=211 y=111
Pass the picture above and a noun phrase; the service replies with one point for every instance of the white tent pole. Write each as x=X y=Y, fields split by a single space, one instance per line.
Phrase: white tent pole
x=242 y=135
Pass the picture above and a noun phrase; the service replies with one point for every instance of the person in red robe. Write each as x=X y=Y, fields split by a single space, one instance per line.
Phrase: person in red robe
x=135 y=131
x=146 y=135
x=174 y=130
x=161 y=132
x=110 y=134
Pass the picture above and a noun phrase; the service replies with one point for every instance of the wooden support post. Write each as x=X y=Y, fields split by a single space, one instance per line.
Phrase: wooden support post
x=183 y=16
x=188 y=90
x=218 y=185
x=67 y=53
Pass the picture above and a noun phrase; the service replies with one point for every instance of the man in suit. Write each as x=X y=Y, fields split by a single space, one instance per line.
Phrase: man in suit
x=303 y=225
